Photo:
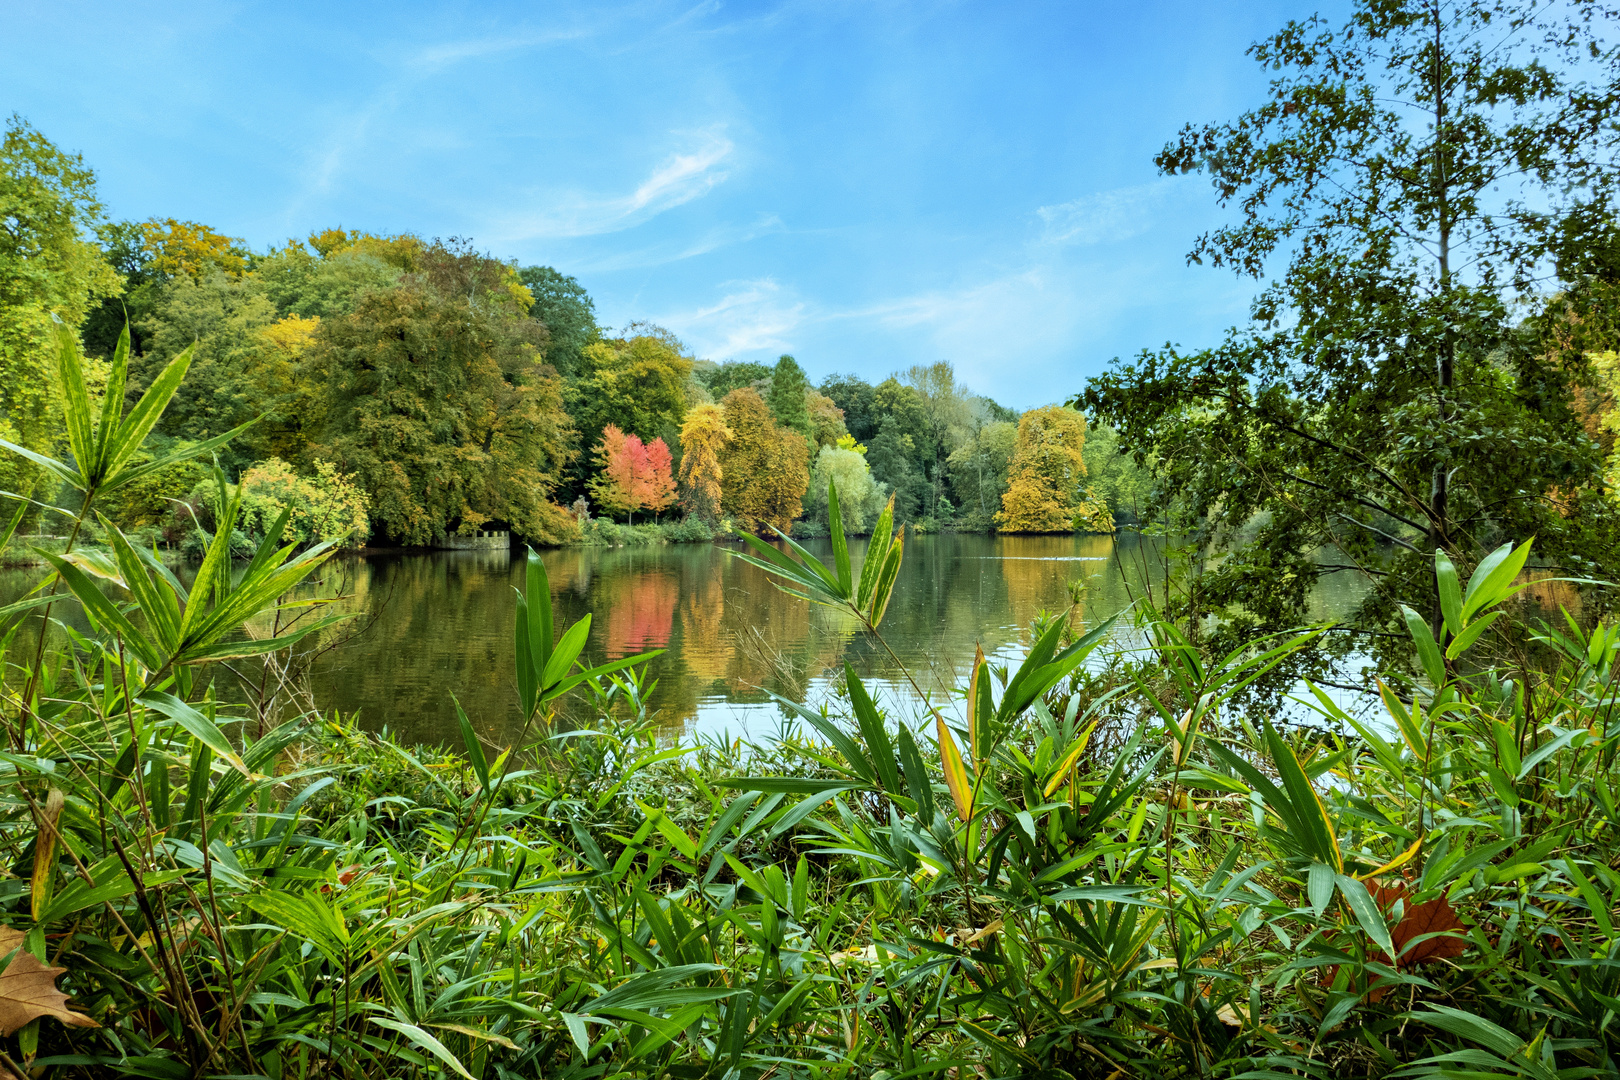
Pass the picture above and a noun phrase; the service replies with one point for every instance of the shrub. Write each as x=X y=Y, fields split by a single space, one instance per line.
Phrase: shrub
x=326 y=506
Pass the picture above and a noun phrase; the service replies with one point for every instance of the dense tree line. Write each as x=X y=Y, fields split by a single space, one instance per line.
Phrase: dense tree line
x=425 y=387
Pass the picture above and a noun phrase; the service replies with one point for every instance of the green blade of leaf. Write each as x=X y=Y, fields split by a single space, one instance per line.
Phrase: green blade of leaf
x=199 y=726
x=840 y=546
x=873 y=562
x=75 y=400
x=131 y=434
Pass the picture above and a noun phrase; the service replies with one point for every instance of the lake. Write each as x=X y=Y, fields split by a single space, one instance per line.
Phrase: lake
x=429 y=625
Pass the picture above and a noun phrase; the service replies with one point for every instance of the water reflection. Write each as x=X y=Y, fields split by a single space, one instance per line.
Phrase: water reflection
x=431 y=625
x=439 y=623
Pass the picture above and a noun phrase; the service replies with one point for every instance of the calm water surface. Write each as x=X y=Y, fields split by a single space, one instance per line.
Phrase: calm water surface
x=433 y=624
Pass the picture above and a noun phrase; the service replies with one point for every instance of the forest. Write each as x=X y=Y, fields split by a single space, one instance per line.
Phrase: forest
x=1219 y=834
x=395 y=390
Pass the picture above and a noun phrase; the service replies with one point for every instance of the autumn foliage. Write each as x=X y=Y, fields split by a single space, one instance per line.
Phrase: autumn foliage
x=767 y=467
x=1046 y=490
x=704 y=436
x=633 y=475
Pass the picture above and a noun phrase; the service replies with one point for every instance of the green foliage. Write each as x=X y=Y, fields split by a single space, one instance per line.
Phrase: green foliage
x=313 y=286
x=600 y=532
x=845 y=469
x=1115 y=477
x=1411 y=174
x=787 y=397
x=220 y=320
x=569 y=315
x=48 y=269
x=636 y=383
x=441 y=404
x=326 y=507
x=736 y=374
x=1084 y=869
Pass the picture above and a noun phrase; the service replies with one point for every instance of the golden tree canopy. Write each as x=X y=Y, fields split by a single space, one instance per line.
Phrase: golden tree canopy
x=1046 y=490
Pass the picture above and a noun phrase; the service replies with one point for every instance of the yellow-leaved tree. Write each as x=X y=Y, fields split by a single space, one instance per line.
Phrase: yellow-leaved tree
x=766 y=467
x=1046 y=481
x=704 y=436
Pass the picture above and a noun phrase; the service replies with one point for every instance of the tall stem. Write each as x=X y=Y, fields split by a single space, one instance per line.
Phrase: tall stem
x=1439 y=481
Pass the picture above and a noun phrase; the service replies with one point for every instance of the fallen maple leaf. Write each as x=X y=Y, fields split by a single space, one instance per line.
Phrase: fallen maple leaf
x=28 y=989
x=1435 y=917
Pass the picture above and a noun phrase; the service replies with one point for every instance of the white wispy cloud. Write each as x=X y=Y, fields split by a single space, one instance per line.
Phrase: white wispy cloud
x=670 y=251
x=752 y=316
x=433 y=58
x=681 y=177
x=1104 y=216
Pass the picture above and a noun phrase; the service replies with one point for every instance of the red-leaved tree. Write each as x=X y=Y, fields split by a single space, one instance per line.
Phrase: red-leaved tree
x=658 y=490
x=633 y=475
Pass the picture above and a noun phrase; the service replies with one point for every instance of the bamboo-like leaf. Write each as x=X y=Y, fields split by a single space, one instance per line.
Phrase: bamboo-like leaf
x=871 y=725
x=474 y=745
x=104 y=611
x=131 y=434
x=884 y=586
x=1365 y=909
x=840 y=545
x=1493 y=578
x=112 y=402
x=1445 y=577
x=979 y=708
x=873 y=562
x=49 y=464
x=1463 y=641
x=199 y=726
x=75 y=401
x=528 y=678
x=423 y=1041
x=822 y=579
x=39 y=888
x=189 y=453
x=537 y=593
x=136 y=578
x=569 y=646
x=1428 y=649
x=1308 y=806
x=956 y=774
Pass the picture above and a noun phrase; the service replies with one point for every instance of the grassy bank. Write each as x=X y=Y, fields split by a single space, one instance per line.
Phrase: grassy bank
x=1108 y=869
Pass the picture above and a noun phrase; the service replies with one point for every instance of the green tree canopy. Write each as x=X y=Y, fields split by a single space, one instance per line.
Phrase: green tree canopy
x=787 y=397
x=1410 y=175
x=441 y=404
x=49 y=265
x=566 y=309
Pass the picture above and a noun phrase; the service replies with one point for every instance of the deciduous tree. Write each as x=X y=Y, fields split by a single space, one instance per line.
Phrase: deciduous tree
x=441 y=403
x=1411 y=175
x=766 y=469
x=48 y=265
x=658 y=486
x=1046 y=481
x=704 y=436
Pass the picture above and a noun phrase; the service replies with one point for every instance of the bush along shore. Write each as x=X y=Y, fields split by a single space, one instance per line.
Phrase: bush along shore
x=1102 y=871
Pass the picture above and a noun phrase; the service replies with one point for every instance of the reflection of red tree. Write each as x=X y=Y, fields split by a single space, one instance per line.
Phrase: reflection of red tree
x=639 y=617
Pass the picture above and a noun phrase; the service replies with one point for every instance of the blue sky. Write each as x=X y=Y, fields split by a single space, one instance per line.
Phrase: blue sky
x=865 y=185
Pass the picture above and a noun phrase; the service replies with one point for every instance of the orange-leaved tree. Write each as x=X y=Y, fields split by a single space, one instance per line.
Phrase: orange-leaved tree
x=1046 y=489
x=617 y=485
x=704 y=436
x=656 y=485
x=766 y=466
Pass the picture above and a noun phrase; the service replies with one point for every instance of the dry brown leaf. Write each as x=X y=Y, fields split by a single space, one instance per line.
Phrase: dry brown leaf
x=1435 y=917
x=28 y=989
